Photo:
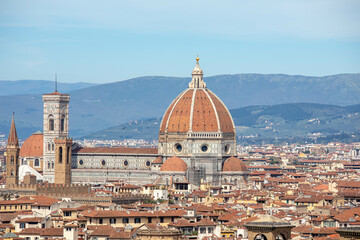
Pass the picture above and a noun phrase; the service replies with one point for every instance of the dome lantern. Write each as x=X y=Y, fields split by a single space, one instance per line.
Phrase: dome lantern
x=197 y=77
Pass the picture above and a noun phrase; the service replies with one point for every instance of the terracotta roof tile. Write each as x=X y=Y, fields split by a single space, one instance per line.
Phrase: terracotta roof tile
x=33 y=146
x=158 y=160
x=174 y=164
x=234 y=164
x=208 y=113
x=179 y=120
x=204 y=117
x=118 y=150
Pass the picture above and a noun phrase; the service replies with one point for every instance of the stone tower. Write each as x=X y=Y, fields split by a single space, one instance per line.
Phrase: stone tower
x=12 y=156
x=268 y=227
x=56 y=125
x=63 y=160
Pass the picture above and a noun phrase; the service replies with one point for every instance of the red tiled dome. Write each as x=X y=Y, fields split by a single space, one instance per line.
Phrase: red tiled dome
x=198 y=110
x=233 y=164
x=33 y=146
x=174 y=164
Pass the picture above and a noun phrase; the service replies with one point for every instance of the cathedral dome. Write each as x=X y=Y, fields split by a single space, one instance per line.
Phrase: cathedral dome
x=33 y=146
x=174 y=164
x=233 y=164
x=197 y=109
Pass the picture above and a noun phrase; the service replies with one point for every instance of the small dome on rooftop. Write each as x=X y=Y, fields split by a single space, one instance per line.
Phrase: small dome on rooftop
x=174 y=164
x=233 y=164
x=33 y=146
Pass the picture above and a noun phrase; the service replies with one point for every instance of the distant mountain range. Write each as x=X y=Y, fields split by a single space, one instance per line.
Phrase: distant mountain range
x=102 y=106
x=296 y=121
x=22 y=87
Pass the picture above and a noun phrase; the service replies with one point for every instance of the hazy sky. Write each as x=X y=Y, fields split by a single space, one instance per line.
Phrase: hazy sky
x=107 y=41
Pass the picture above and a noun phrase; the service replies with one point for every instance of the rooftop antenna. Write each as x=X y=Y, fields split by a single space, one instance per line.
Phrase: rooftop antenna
x=55 y=82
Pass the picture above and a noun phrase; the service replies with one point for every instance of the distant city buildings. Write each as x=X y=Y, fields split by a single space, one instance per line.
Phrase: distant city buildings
x=194 y=183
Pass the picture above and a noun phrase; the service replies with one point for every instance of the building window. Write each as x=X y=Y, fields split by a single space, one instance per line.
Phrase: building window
x=112 y=220
x=148 y=164
x=137 y=220
x=100 y=221
x=204 y=148
x=149 y=219
x=103 y=163
x=62 y=123
x=161 y=219
x=210 y=230
x=126 y=163
x=227 y=149
x=67 y=214
x=12 y=159
x=68 y=229
x=68 y=156
x=52 y=165
x=178 y=147
x=280 y=237
x=51 y=123
x=81 y=162
x=202 y=230
x=60 y=154
x=125 y=220
x=37 y=162
x=22 y=225
x=260 y=237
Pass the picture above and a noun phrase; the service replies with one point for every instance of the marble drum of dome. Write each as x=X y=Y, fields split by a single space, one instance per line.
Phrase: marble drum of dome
x=197 y=124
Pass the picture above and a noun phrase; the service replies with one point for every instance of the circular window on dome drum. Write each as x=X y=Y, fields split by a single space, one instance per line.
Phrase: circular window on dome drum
x=178 y=148
x=204 y=148
x=126 y=163
x=148 y=164
x=103 y=163
x=227 y=148
x=81 y=162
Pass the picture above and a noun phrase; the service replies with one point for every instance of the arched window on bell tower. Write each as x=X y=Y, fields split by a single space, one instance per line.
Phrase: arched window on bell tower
x=51 y=123
x=12 y=159
x=62 y=123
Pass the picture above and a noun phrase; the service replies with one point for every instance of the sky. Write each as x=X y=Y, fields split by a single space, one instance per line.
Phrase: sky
x=112 y=40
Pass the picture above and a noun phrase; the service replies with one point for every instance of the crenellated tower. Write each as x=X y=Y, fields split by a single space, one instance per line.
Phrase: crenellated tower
x=63 y=160
x=56 y=125
x=12 y=156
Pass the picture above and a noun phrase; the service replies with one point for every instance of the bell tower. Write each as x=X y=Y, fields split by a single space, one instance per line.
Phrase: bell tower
x=63 y=160
x=55 y=125
x=12 y=156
